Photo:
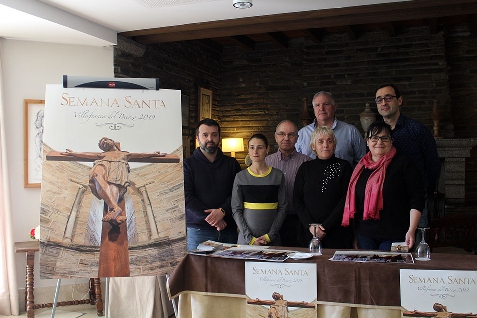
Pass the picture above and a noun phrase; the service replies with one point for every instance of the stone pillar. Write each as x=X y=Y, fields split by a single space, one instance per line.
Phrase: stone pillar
x=74 y=213
x=149 y=212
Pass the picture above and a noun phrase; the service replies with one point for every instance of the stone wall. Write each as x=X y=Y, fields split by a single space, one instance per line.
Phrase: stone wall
x=185 y=66
x=461 y=51
x=255 y=89
x=260 y=88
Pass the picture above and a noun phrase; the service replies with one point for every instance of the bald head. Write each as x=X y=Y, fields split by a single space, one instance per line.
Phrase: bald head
x=286 y=136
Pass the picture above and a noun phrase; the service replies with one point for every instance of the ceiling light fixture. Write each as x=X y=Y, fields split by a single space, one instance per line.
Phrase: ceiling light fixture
x=242 y=4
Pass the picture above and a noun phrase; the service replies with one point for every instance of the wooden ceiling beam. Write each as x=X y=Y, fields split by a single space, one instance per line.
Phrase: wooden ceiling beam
x=280 y=38
x=351 y=32
x=379 y=13
x=314 y=34
x=217 y=47
x=244 y=41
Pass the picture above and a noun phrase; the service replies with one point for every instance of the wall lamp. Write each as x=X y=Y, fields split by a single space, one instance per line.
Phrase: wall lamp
x=232 y=145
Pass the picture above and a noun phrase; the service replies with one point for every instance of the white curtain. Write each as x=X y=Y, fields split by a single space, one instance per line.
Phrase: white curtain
x=9 y=304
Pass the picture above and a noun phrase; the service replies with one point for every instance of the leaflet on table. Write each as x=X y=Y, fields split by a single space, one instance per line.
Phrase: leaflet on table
x=248 y=253
x=372 y=256
x=216 y=246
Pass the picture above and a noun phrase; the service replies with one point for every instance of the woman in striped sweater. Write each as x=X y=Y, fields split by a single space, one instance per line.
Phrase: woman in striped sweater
x=259 y=198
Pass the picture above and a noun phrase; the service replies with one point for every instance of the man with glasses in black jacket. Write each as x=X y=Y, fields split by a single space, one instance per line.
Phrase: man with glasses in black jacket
x=412 y=138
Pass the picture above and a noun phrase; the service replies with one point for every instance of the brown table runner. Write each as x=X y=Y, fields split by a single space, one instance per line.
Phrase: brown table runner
x=341 y=282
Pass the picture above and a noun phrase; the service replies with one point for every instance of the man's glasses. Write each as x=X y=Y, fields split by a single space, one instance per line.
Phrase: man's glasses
x=376 y=138
x=282 y=134
x=387 y=98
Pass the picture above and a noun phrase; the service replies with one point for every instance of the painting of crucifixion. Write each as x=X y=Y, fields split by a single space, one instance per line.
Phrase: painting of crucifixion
x=111 y=213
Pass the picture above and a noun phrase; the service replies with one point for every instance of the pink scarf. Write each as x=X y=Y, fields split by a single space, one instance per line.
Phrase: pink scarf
x=373 y=194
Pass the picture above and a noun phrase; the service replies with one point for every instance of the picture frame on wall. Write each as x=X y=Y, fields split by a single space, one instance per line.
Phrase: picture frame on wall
x=33 y=141
x=205 y=103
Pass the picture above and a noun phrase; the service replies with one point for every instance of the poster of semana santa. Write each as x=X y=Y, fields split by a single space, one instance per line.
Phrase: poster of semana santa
x=438 y=293
x=112 y=201
x=281 y=290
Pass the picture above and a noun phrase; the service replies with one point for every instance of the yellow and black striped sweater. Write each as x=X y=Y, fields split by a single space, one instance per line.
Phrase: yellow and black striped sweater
x=259 y=205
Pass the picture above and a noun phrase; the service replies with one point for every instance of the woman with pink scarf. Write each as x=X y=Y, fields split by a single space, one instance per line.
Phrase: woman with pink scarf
x=385 y=194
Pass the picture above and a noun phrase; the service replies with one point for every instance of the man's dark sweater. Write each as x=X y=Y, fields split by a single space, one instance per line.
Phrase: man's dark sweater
x=208 y=185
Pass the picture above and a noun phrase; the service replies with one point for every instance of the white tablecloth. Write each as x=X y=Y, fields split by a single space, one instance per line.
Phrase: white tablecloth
x=139 y=297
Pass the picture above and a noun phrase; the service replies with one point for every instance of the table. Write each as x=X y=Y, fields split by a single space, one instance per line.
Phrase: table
x=30 y=248
x=351 y=284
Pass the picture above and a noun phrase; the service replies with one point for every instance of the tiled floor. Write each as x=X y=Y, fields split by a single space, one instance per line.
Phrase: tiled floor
x=83 y=311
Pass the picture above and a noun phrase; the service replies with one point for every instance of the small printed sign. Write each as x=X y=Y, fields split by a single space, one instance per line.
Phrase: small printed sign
x=281 y=289
x=433 y=291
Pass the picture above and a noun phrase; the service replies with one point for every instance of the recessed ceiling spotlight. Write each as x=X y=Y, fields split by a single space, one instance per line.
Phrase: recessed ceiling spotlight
x=242 y=4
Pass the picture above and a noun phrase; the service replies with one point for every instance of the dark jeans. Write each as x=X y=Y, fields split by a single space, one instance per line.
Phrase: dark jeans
x=197 y=236
x=368 y=243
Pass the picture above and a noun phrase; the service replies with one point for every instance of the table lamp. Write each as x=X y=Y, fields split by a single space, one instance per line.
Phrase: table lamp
x=232 y=145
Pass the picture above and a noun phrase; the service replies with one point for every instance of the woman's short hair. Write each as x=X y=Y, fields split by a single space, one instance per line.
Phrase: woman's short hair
x=377 y=127
x=320 y=131
x=260 y=136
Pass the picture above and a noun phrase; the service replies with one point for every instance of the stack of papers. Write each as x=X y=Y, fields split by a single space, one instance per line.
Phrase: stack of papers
x=372 y=256
x=254 y=253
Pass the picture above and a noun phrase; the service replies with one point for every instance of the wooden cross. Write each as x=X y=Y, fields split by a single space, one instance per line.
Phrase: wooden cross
x=113 y=252
x=299 y=304
x=440 y=312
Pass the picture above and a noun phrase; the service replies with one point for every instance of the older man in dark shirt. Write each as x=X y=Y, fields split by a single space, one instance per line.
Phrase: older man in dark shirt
x=288 y=160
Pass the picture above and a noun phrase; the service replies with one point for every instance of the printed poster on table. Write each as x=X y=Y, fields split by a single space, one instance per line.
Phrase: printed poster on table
x=431 y=293
x=112 y=200
x=280 y=290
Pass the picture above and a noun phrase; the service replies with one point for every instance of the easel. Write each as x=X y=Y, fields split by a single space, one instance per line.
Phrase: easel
x=174 y=305
x=114 y=254
x=99 y=304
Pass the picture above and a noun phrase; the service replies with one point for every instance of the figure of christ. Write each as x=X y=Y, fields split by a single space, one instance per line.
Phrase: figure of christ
x=109 y=177
x=441 y=312
x=280 y=308
x=109 y=180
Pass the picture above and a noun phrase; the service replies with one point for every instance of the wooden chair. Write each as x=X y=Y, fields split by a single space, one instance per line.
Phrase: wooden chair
x=455 y=230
